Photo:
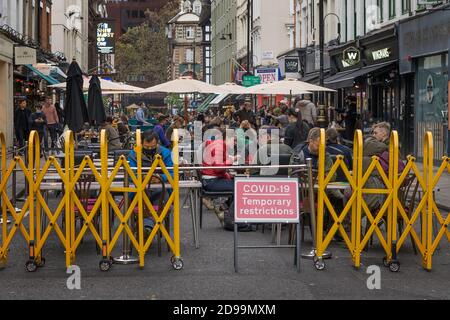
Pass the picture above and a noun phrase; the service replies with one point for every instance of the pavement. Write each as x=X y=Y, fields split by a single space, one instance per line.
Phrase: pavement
x=208 y=272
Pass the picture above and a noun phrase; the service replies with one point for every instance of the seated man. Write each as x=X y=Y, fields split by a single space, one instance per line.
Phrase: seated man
x=375 y=145
x=272 y=152
x=311 y=150
x=335 y=148
x=150 y=149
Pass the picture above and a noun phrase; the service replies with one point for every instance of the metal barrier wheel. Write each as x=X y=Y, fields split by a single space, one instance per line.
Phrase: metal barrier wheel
x=385 y=262
x=177 y=263
x=319 y=264
x=2 y=263
x=31 y=266
x=105 y=265
x=41 y=263
x=394 y=266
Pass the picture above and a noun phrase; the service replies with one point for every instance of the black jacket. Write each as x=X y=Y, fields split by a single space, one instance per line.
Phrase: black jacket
x=38 y=126
x=293 y=136
x=21 y=119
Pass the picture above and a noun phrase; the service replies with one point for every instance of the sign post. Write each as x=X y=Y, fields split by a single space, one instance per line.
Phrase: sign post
x=266 y=200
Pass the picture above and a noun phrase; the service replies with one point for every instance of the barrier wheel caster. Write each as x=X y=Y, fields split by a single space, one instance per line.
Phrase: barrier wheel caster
x=394 y=266
x=177 y=263
x=105 y=265
x=2 y=264
x=31 y=266
x=319 y=264
x=385 y=262
x=41 y=263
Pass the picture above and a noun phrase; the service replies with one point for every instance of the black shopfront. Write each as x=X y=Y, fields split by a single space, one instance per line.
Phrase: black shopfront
x=424 y=42
x=367 y=71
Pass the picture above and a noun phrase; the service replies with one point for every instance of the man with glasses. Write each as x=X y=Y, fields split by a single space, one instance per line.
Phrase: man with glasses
x=150 y=149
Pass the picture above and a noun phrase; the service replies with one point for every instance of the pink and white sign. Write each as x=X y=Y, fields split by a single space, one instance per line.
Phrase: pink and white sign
x=266 y=200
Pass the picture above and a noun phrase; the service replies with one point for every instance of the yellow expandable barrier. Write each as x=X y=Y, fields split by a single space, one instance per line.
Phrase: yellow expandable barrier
x=392 y=209
x=37 y=233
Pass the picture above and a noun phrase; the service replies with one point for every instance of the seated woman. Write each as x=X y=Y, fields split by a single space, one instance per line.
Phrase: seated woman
x=112 y=135
x=216 y=154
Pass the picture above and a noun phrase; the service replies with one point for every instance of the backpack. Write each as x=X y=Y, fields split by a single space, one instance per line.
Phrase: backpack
x=384 y=161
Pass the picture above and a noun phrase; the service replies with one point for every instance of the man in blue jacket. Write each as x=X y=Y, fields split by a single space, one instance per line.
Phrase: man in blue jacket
x=159 y=129
x=150 y=149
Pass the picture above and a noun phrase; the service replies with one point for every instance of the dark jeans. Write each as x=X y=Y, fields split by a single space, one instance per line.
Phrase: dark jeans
x=53 y=131
x=218 y=185
x=21 y=136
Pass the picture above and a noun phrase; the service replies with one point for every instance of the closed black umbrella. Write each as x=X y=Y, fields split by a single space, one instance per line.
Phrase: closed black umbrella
x=75 y=111
x=96 y=109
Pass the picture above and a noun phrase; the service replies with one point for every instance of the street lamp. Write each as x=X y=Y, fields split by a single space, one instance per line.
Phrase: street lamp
x=322 y=117
x=249 y=27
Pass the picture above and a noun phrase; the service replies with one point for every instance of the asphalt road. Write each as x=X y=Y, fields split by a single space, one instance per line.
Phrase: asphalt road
x=208 y=272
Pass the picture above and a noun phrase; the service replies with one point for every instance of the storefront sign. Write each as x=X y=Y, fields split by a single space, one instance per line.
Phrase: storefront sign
x=267 y=75
x=381 y=54
x=291 y=65
x=267 y=55
x=105 y=37
x=25 y=55
x=266 y=200
x=351 y=57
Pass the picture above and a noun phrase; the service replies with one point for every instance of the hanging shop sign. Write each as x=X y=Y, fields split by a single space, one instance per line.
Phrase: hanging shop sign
x=105 y=37
x=25 y=56
x=267 y=75
x=351 y=57
x=291 y=66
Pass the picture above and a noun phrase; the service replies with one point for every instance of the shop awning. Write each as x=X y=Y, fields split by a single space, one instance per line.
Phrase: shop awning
x=49 y=79
x=205 y=105
x=219 y=99
x=345 y=79
x=311 y=78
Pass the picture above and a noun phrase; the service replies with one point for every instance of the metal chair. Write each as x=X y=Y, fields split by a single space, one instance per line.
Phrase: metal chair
x=209 y=194
x=305 y=207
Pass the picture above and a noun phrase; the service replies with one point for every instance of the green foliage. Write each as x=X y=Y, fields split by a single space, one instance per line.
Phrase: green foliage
x=143 y=50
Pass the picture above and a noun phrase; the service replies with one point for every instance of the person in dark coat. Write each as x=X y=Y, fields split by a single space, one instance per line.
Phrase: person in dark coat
x=21 y=123
x=297 y=130
x=38 y=122
x=245 y=113
x=350 y=117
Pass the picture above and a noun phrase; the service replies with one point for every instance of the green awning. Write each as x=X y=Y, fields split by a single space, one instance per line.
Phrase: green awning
x=49 y=79
x=205 y=105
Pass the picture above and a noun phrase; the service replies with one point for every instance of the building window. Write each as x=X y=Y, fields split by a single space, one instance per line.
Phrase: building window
x=391 y=9
x=406 y=6
x=380 y=10
x=189 y=33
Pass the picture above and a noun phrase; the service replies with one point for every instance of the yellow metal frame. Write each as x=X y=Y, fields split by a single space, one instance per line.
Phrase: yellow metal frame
x=142 y=201
x=36 y=236
x=392 y=209
x=29 y=235
x=324 y=202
